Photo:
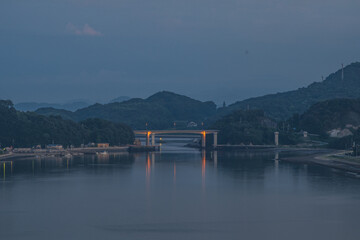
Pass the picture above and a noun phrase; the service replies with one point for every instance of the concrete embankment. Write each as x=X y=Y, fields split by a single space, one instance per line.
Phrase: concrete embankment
x=244 y=147
x=274 y=148
x=136 y=148
x=94 y=150
x=330 y=158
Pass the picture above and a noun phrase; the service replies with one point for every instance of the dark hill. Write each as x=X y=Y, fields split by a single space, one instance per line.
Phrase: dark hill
x=159 y=111
x=49 y=111
x=284 y=105
x=32 y=106
x=120 y=99
x=328 y=115
x=245 y=127
x=26 y=129
x=183 y=107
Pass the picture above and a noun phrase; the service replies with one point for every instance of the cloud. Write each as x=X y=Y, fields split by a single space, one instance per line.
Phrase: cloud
x=86 y=30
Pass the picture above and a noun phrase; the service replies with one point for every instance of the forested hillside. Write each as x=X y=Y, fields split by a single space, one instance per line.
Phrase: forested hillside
x=284 y=105
x=21 y=129
x=245 y=127
x=159 y=111
x=328 y=115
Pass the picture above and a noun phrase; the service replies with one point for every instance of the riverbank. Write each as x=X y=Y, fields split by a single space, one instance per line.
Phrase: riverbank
x=13 y=156
x=30 y=153
x=330 y=158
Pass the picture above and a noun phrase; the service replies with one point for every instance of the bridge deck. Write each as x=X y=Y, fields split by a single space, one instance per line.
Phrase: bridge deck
x=201 y=132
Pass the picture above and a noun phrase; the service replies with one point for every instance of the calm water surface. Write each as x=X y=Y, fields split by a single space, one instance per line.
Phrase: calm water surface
x=179 y=193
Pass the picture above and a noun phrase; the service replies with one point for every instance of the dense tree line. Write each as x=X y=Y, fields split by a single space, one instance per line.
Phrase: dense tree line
x=327 y=115
x=252 y=126
x=245 y=127
x=21 y=129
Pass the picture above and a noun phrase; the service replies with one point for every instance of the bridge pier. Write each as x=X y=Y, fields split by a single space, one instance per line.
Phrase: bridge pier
x=203 y=140
x=276 y=138
x=153 y=139
x=215 y=139
x=147 y=138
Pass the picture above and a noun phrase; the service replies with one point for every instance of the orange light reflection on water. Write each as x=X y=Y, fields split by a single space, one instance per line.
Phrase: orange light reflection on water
x=203 y=168
x=148 y=170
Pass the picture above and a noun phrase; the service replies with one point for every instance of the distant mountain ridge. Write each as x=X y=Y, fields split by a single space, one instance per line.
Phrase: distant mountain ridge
x=69 y=106
x=283 y=105
x=120 y=99
x=157 y=111
x=162 y=109
x=33 y=106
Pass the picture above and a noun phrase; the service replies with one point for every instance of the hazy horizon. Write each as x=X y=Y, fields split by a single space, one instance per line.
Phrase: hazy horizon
x=56 y=51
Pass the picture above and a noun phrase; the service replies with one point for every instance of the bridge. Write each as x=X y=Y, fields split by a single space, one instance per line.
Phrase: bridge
x=202 y=133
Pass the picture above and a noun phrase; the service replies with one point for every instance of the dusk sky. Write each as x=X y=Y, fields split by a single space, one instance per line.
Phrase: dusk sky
x=56 y=51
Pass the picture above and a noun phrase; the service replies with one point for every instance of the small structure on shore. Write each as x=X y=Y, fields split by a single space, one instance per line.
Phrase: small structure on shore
x=55 y=146
x=305 y=134
x=137 y=142
x=192 y=124
x=103 y=145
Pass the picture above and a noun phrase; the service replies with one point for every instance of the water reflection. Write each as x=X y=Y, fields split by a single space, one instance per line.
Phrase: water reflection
x=248 y=195
x=4 y=173
x=148 y=171
x=203 y=168
x=238 y=165
x=215 y=158
x=174 y=173
x=276 y=163
x=49 y=165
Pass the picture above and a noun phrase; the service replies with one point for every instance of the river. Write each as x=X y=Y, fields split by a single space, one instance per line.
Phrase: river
x=178 y=193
